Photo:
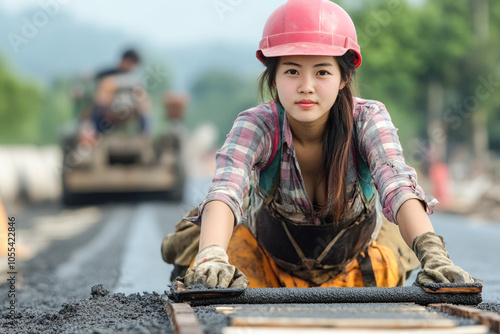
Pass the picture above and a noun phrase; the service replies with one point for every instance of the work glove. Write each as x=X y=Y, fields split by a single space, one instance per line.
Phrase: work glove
x=212 y=269
x=435 y=262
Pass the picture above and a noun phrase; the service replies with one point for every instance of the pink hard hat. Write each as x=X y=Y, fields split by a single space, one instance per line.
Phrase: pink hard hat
x=309 y=27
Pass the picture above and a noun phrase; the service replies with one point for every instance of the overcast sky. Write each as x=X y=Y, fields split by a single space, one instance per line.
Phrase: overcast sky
x=167 y=22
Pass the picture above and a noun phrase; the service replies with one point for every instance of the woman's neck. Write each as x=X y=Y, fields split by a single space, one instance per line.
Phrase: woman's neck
x=306 y=134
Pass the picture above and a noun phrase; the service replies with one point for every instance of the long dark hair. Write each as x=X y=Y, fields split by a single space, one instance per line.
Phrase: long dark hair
x=338 y=135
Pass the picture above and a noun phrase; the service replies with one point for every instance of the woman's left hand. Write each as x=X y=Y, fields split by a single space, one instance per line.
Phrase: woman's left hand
x=436 y=264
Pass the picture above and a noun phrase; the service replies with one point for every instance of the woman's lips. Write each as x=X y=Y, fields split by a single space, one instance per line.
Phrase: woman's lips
x=306 y=104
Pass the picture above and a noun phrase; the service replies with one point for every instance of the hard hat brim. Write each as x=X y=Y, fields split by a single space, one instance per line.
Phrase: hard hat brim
x=307 y=49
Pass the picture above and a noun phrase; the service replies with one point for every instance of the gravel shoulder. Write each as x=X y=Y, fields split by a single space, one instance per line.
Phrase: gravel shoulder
x=103 y=312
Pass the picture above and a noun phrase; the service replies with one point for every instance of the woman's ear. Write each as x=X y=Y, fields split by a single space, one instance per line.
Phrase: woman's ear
x=345 y=82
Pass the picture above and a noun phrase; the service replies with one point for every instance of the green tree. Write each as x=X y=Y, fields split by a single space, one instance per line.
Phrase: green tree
x=218 y=97
x=425 y=61
x=19 y=104
x=56 y=109
x=389 y=43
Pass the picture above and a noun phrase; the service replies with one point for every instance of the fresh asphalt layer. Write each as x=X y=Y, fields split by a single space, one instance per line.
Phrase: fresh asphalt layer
x=94 y=279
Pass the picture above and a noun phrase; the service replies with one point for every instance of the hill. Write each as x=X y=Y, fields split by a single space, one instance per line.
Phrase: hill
x=65 y=46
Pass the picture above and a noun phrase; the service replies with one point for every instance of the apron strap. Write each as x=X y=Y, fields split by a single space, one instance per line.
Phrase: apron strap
x=305 y=261
x=365 y=265
x=334 y=240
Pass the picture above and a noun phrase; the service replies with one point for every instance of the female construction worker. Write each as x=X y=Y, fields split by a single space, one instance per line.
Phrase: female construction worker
x=312 y=162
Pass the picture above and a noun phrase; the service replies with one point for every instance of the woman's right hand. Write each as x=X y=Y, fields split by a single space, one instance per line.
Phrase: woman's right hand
x=212 y=269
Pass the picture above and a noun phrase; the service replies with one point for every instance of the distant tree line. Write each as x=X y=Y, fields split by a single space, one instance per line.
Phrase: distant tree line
x=19 y=107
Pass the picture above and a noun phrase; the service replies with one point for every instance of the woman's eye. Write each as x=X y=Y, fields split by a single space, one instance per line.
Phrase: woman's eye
x=323 y=72
x=293 y=72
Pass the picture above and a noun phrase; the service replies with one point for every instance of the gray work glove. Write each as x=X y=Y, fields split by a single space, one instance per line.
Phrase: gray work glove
x=435 y=261
x=211 y=268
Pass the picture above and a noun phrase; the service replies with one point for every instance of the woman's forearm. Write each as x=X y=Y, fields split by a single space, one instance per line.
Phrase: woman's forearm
x=413 y=220
x=217 y=225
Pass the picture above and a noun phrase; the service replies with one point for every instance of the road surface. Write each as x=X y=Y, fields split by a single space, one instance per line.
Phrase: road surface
x=62 y=254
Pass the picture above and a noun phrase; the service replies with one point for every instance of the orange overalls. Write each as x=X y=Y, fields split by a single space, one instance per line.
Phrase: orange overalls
x=247 y=255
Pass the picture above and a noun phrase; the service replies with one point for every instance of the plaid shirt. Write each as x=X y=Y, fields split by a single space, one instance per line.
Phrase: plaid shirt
x=249 y=144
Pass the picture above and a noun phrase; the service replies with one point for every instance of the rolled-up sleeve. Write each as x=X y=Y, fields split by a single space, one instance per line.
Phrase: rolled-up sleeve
x=396 y=182
x=247 y=144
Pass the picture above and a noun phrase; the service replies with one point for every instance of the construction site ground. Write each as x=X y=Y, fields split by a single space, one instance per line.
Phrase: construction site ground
x=98 y=269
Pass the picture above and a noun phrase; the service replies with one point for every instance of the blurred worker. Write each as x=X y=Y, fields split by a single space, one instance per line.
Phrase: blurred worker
x=199 y=143
x=175 y=136
x=175 y=104
x=439 y=174
x=119 y=97
x=313 y=162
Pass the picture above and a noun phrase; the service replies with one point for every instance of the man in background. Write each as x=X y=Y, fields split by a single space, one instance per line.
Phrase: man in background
x=119 y=97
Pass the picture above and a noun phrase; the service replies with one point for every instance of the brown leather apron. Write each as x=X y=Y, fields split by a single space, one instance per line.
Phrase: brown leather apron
x=298 y=247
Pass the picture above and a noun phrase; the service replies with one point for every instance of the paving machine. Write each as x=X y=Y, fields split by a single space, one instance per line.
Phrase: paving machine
x=110 y=153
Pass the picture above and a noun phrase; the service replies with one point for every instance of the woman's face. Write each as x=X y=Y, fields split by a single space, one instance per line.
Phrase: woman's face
x=308 y=86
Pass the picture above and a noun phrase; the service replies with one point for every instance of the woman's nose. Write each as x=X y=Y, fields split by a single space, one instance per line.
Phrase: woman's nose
x=306 y=85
